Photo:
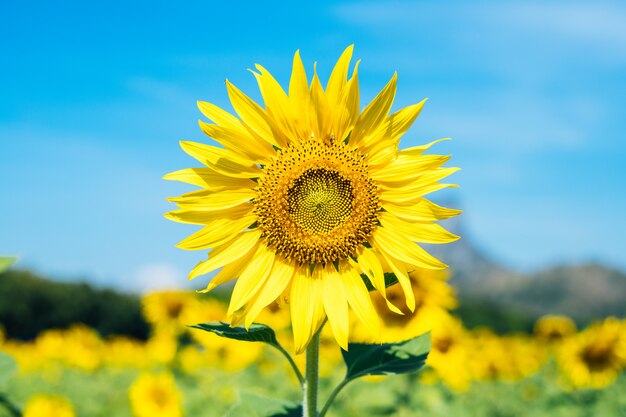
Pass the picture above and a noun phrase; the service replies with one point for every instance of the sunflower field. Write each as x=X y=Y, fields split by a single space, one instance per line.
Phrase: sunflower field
x=317 y=223
x=181 y=371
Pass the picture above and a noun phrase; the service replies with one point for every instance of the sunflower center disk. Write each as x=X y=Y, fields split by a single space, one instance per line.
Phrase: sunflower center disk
x=320 y=200
x=316 y=203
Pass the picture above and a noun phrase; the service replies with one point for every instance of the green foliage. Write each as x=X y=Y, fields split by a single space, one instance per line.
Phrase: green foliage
x=5 y=263
x=30 y=304
x=386 y=359
x=8 y=367
x=501 y=319
x=253 y=405
x=255 y=333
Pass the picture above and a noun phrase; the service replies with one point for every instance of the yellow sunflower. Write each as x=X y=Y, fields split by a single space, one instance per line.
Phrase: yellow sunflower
x=44 y=405
x=596 y=356
x=155 y=395
x=308 y=193
x=165 y=309
x=433 y=299
x=554 y=328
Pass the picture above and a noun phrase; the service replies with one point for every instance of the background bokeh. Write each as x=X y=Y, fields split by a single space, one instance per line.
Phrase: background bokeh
x=95 y=97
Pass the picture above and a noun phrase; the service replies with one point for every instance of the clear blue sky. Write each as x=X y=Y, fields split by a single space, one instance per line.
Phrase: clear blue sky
x=94 y=97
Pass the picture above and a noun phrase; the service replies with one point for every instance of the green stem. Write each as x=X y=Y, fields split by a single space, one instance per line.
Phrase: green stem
x=10 y=406
x=292 y=363
x=312 y=376
x=332 y=396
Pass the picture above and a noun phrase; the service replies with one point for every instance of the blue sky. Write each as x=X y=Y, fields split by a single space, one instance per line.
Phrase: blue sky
x=95 y=96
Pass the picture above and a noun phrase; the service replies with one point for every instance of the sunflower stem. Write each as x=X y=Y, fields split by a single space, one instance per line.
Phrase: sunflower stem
x=332 y=396
x=312 y=376
x=292 y=363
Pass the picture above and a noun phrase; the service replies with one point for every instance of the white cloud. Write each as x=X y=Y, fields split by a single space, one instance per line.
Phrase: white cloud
x=158 y=276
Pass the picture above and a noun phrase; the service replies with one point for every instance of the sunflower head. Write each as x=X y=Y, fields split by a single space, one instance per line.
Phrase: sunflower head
x=554 y=328
x=49 y=406
x=594 y=357
x=307 y=193
x=155 y=395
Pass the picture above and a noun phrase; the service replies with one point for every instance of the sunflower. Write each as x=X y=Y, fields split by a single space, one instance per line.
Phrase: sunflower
x=44 y=405
x=554 y=328
x=449 y=354
x=155 y=395
x=165 y=309
x=596 y=356
x=433 y=299
x=308 y=193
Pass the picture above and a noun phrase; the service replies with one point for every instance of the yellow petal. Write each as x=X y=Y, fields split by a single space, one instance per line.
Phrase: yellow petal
x=408 y=169
x=230 y=271
x=375 y=113
x=220 y=116
x=209 y=179
x=207 y=216
x=239 y=141
x=307 y=310
x=252 y=278
x=216 y=233
x=348 y=107
x=369 y=265
x=423 y=185
x=276 y=104
x=359 y=298
x=321 y=108
x=425 y=232
x=338 y=78
x=222 y=160
x=281 y=275
x=421 y=210
x=402 y=249
x=230 y=252
x=213 y=200
x=403 y=279
x=382 y=154
x=300 y=98
x=418 y=150
x=252 y=114
x=336 y=304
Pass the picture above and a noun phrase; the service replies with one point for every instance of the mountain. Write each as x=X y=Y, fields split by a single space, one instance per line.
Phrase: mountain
x=584 y=292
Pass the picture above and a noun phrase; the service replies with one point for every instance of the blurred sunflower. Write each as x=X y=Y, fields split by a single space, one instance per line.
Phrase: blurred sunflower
x=155 y=395
x=165 y=309
x=594 y=357
x=554 y=328
x=48 y=406
x=449 y=356
x=309 y=193
x=433 y=298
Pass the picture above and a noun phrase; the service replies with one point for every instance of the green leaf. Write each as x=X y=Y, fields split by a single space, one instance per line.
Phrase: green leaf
x=386 y=359
x=253 y=405
x=257 y=332
x=5 y=263
x=8 y=367
x=390 y=279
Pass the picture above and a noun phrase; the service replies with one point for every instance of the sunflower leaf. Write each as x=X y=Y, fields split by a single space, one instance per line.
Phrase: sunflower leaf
x=386 y=359
x=8 y=367
x=253 y=405
x=257 y=332
x=5 y=263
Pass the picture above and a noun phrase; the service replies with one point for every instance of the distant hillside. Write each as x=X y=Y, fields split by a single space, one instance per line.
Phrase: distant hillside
x=30 y=304
x=584 y=292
